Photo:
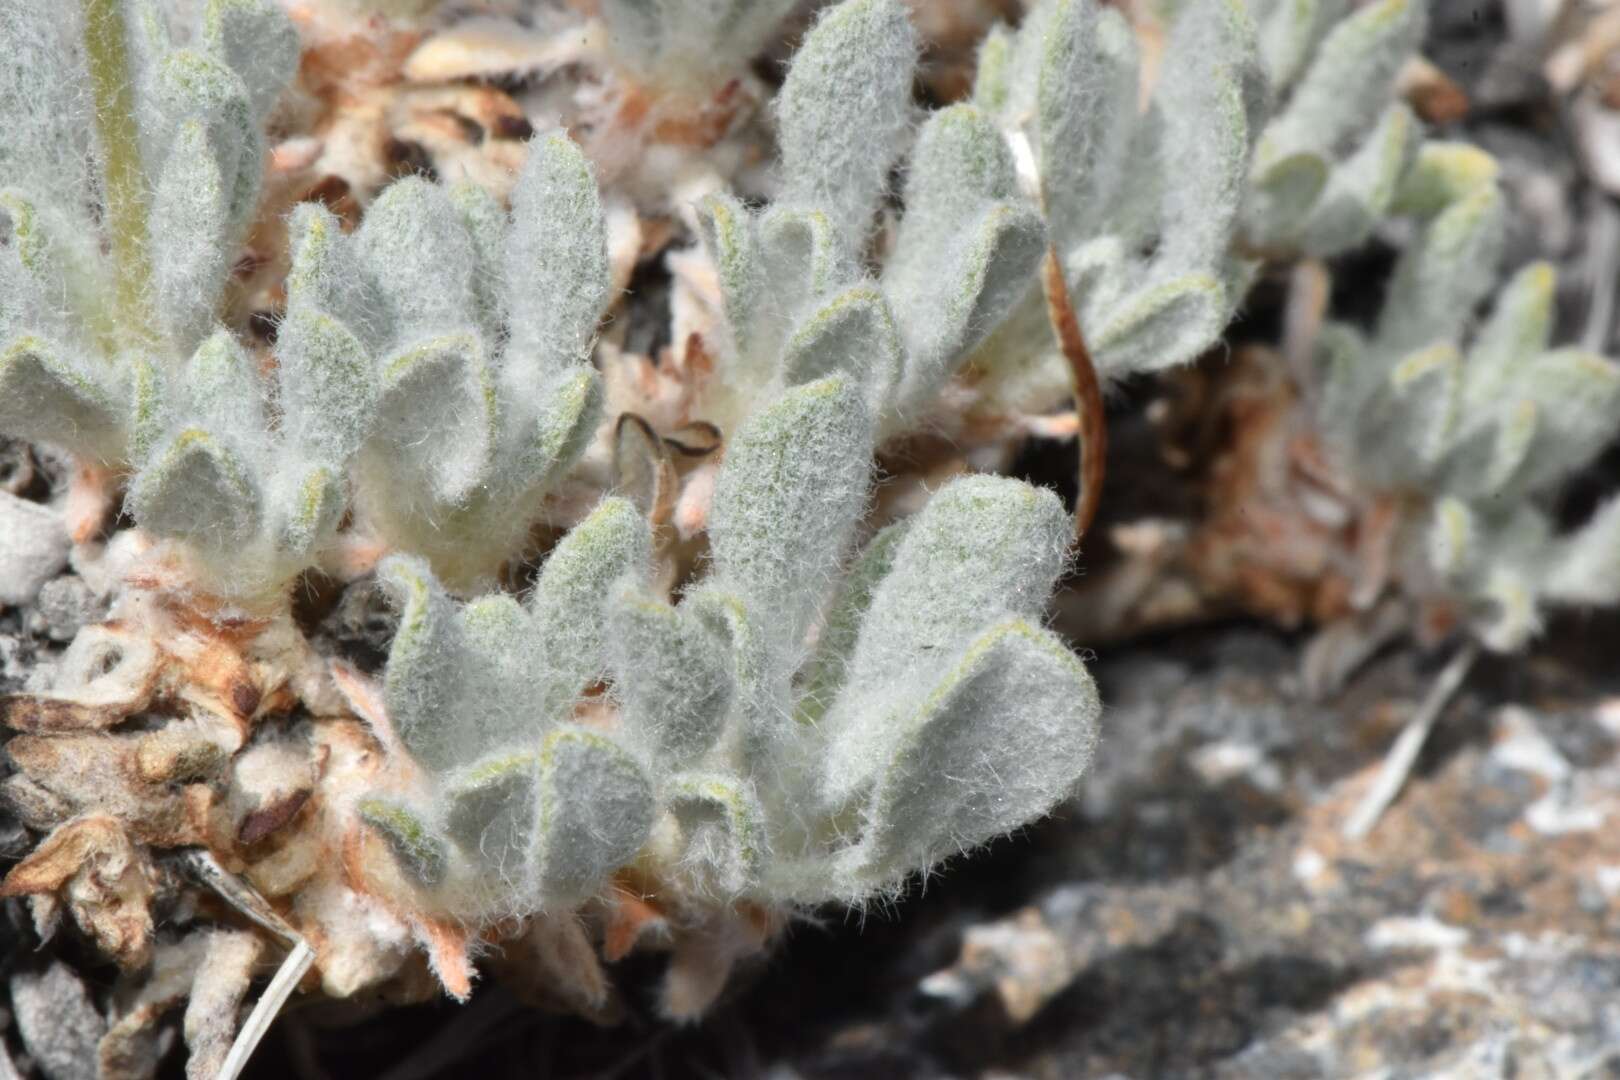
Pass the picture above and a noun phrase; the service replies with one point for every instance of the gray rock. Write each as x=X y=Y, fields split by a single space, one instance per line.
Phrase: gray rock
x=34 y=547
x=66 y=604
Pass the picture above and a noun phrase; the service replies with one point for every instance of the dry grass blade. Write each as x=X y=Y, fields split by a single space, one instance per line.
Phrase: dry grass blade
x=1403 y=754
x=298 y=961
x=264 y=1013
x=1088 y=403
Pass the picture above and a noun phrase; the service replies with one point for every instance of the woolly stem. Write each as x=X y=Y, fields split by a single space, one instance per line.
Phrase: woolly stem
x=123 y=185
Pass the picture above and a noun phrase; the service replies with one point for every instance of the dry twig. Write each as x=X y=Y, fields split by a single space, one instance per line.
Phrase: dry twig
x=1404 y=753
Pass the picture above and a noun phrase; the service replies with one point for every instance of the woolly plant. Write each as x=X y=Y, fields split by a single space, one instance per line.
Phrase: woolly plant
x=442 y=314
x=453 y=339
x=118 y=140
x=797 y=728
x=798 y=297
x=799 y=723
x=1331 y=161
x=1141 y=200
x=1472 y=438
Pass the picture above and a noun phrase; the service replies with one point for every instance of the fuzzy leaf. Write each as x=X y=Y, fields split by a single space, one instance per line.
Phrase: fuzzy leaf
x=485 y=222
x=192 y=237
x=1351 y=80
x=490 y=813
x=423 y=686
x=993 y=75
x=843 y=110
x=1282 y=194
x=51 y=281
x=192 y=87
x=415 y=246
x=960 y=160
x=46 y=110
x=1084 y=108
x=557 y=274
x=595 y=811
x=827 y=671
x=420 y=854
x=1453 y=543
x=803 y=260
x=1444 y=173
x=1515 y=438
x=1519 y=328
x=1513 y=616
x=257 y=41
x=968 y=245
x=505 y=704
x=1426 y=389
x=150 y=405
x=673 y=678
x=725 y=845
x=946 y=779
x=1579 y=393
x=1361 y=191
x=435 y=422
x=728 y=234
x=569 y=600
x=328 y=386
x=498 y=632
x=1348 y=378
x=325 y=276
x=853 y=334
x=312 y=515
x=1163 y=326
x=570 y=412
x=802 y=253
x=1211 y=97
x=794 y=479
x=983 y=546
x=1289 y=31
x=224 y=387
x=46 y=398
x=1443 y=274
x=197 y=489
x=758 y=675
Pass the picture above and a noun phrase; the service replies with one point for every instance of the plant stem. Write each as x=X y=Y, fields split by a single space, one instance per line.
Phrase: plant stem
x=123 y=182
x=1088 y=402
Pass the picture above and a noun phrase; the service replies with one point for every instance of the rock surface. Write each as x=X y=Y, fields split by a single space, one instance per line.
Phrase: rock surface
x=1204 y=917
x=33 y=548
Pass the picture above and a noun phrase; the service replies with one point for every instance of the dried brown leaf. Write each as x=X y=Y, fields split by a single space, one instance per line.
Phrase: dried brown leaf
x=107 y=883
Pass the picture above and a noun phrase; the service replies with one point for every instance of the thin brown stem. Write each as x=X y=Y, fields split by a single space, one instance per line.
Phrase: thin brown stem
x=1088 y=402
